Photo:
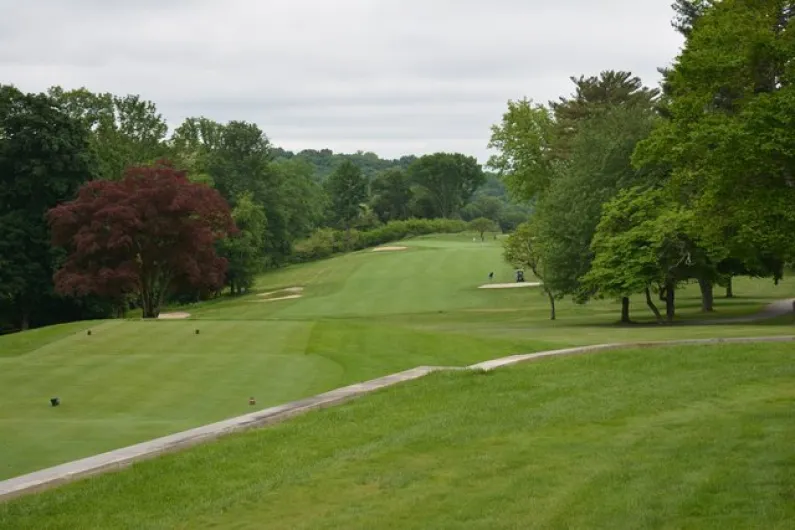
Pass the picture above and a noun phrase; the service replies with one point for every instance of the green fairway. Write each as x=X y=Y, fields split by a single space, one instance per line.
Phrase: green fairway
x=663 y=438
x=360 y=316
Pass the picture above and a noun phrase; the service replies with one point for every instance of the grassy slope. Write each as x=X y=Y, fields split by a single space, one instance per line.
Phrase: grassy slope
x=664 y=438
x=362 y=316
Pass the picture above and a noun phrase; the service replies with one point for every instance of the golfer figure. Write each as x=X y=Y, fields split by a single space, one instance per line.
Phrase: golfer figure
x=491 y=276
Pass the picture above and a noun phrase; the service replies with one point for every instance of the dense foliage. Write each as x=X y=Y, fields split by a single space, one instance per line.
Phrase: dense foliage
x=638 y=190
x=55 y=143
x=327 y=241
x=612 y=190
x=44 y=158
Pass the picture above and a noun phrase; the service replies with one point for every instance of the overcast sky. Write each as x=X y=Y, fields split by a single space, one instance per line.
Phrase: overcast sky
x=391 y=76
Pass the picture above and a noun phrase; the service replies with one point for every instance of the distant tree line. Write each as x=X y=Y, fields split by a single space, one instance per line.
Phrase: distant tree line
x=640 y=191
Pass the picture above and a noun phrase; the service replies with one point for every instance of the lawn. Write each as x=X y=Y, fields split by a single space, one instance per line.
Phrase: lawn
x=361 y=316
x=658 y=438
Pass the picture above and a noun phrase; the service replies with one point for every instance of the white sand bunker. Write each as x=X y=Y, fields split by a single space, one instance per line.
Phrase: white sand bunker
x=173 y=316
x=389 y=249
x=276 y=299
x=509 y=285
x=290 y=293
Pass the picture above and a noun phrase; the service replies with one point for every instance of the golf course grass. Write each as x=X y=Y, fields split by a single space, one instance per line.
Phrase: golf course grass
x=680 y=437
x=358 y=317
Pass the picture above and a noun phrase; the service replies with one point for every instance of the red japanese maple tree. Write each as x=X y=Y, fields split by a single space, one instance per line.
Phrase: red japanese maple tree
x=143 y=235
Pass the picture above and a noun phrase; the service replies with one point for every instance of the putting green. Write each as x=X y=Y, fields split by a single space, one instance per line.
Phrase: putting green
x=360 y=316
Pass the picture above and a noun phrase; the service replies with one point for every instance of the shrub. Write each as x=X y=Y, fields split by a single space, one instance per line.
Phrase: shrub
x=326 y=242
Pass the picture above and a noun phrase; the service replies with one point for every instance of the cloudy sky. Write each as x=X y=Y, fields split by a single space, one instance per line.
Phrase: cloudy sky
x=390 y=76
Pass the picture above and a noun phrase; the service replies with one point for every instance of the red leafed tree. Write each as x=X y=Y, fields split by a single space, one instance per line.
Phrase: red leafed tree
x=146 y=234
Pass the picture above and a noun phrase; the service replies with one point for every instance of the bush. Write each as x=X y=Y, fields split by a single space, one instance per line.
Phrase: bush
x=326 y=242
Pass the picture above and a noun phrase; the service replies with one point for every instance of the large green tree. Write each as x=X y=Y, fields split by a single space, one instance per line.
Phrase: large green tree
x=449 y=179
x=192 y=144
x=729 y=136
x=239 y=162
x=523 y=249
x=45 y=156
x=237 y=159
x=392 y=195
x=243 y=249
x=347 y=191
x=643 y=242
x=571 y=158
x=125 y=130
x=303 y=199
x=599 y=166
x=525 y=144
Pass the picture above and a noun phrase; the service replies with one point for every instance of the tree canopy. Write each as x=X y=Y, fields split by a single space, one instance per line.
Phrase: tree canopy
x=728 y=139
x=243 y=249
x=145 y=234
x=448 y=179
x=45 y=156
x=570 y=158
x=348 y=192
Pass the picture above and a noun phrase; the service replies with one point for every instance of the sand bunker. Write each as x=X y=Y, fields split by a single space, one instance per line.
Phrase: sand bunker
x=389 y=249
x=290 y=293
x=290 y=290
x=290 y=297
x=509 y=285
x=173 y=316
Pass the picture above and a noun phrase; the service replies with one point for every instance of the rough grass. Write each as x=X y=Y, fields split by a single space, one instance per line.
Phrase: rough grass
x=362 y=316
x=659 y=438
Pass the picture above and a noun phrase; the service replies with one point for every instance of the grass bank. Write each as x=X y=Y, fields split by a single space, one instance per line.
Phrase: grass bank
x=674 y=437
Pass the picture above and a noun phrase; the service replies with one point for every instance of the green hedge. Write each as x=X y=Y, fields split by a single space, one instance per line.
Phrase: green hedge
x=326 y=242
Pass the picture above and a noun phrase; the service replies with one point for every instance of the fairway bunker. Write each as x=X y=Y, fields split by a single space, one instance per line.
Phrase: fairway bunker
x=510 y=285
x=173 y=316
x=389 y=249
x=290 y=293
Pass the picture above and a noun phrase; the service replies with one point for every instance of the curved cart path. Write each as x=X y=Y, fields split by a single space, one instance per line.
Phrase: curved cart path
x=777 y=309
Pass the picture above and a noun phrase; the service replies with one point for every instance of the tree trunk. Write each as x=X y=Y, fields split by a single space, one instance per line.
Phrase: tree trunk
x=348 y=236
x=653 y=307
x=662 y=294
x=730 y=288
x=707 y=296
x=150 y=305
x=24 y=323
x=154 y=288
x=670 y=303
x=149 y=309
x=552 y=314
x=625 y=310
